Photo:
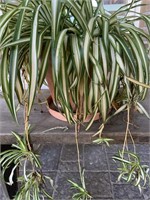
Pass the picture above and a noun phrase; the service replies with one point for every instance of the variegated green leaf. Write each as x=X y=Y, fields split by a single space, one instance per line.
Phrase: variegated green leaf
x=14 y=60
x=34 y=61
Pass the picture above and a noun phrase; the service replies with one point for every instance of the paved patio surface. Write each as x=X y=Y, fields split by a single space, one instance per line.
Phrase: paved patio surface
x=60 y=163
x=59 y=157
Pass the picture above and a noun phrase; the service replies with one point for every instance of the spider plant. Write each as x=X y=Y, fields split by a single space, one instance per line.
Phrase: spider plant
x=95 y=58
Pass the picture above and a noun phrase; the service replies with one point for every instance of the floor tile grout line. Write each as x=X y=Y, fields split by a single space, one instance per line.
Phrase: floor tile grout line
x=55 y=184
x=70 y=161
x=58 y=171
x=83 y=157
x=74 y=160
x=61 y=152
x=58 y=162
x=112 y=188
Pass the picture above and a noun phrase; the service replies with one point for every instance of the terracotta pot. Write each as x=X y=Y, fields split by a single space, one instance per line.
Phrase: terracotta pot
x=52 y=108
x=53 y=111
x=49 y=79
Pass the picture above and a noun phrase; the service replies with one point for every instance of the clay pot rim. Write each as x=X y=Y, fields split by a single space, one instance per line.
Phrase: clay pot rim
x=58 y=115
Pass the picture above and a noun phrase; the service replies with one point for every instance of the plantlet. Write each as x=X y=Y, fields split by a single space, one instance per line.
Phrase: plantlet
x=132 y=170
x=32 y=184
x=81 y=193
x=103 y=140
x=33 y=187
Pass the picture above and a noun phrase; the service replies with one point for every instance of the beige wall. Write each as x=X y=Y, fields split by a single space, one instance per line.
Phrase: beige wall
x=145 y=9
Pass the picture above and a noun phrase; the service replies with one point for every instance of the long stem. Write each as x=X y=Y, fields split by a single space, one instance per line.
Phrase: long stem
x=132 y=141
x=127 y=129
x=86 y=196
x=27 y=126
x=78 y=151
x=26 y=117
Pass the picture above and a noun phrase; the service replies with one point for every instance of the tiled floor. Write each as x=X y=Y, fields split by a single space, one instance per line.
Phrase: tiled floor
x=60 y=163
